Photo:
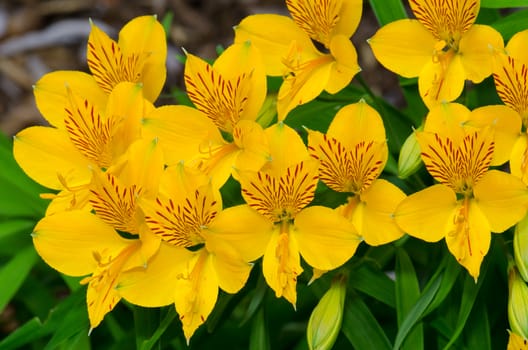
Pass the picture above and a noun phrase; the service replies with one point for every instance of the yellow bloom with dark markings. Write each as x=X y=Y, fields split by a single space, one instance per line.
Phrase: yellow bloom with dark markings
x=228 y=96
x=469 y=202
x=352 y=156
x=288 y=49
x=194 y=259
x=112 y=239
x=280 y=194
x=90 y=136
x=510 y=77
x=442 y=47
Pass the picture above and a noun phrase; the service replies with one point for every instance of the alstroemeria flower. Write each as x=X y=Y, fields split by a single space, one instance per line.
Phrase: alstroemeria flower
x=512 y=88
x=138 y=57
x=80 y=243
x=442 y=47
x=288 y=51
x=469 y=202
x=193 y=260
x=228 y=96
x=90 y=136
x=352 y=156
x=280 y=194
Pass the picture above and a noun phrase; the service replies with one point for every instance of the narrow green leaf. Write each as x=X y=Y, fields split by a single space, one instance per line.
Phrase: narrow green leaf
x=478 y=335
x=257 y=296
x=407 y=294
x=387 y=11
x=167 y=320
x=374 y=283
x=361 y=327
x=417 y=311
x=503 y=3
x=511 y=24
x=450 y=275
x=13 y=274
x=469 y=295
x=10 y=227
x=145 y=321
x=259 y=336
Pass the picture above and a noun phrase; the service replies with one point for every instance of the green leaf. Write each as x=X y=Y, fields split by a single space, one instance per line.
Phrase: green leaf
x=35 y=329
x=450 y=275
x=259 y=336
x=387 y=11
x=361 y=327
x=469 y=295
x=374 y=283
x=145 y=321
x=478 y=335
x=503 y=3
x=511 y=24
x=18 y=226
x=407 y=294
x=164 y=324
x=13 y=274
x=416 y=313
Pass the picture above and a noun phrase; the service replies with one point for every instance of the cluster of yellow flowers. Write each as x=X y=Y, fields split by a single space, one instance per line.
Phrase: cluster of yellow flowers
x=138 y=207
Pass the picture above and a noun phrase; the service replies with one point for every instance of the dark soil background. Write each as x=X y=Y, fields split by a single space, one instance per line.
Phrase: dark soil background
x=37 y=37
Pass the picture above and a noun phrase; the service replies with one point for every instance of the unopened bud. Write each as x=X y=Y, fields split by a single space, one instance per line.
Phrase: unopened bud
x=410 y=159
x=325 y=322
x=268 y=111
x=520 y=247
x=518 y=303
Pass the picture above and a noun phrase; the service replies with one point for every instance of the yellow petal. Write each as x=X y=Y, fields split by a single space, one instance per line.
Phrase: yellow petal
x=374 y=216
x=253 y=144
x=516 y=47
x=502 y=198
x=69 y=200
x=516 y=342
x=48 y=157
x=468 y=237
x=476 y=51
x=243 y=228
x=304 y=83
x=442 y=80
x=452 y=17
x=404 y=57
x=349 y=17
x=511 y=84
x=449 y=120
x=145 y=34
x=245 y=59
x=519 y=158
x=506 y=126
x=180 y=180
x=357 y=122
x=345 y=66
x=278 y=198
x=71 y=241
x=281 y=264
x=154 y=285
x=51 y=93
x=272 y=35
x=232 y=271
x=281 y=137
x=326 y=239
x=196 y=292
x=181 y=132
x=428 y=213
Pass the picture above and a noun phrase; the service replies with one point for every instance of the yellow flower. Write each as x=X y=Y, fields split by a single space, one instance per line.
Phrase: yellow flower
x=279 y=194
x=512 y=88
x=469 y=202
x=288 y=51
x=516 y=342
x=90 y=136
x=352 y=156
x=194 y=260
x=138 y=57
x=442 y=47
x=228 y=96
x=79 y=243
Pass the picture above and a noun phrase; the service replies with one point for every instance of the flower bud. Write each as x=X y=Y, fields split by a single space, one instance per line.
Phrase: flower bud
x=520 y=247
x=325 y=322
x=410 y=159
x=268 y=111
x=518 y=303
